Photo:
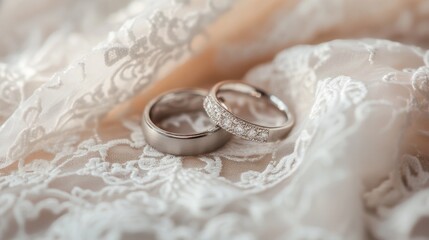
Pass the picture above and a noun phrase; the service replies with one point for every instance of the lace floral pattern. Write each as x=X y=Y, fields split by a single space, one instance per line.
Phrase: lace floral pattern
x=357 y=154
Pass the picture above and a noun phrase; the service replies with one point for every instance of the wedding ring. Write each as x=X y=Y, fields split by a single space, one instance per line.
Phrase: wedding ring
x=179 y=102
x=226 y=119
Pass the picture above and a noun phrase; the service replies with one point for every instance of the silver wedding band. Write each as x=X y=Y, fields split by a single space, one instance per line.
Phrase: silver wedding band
x=223 y=117
x=175 y=102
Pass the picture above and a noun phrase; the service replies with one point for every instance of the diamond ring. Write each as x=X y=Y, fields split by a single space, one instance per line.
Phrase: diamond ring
x=220 y=114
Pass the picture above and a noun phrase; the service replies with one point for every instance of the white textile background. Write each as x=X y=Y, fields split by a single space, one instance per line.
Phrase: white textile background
x=75 y=165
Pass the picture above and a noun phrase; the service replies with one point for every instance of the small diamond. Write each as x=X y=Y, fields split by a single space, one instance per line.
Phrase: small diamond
x=264 y=135
x=213 y=116
x=252 y=133
x=227 y=122
x=239 y=129
x=235 y=122
x=218 y=116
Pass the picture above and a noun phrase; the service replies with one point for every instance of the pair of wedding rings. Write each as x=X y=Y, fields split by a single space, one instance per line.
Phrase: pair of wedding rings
x=225 y=122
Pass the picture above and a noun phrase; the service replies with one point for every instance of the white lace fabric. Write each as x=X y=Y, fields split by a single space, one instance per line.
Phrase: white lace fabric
x=75 y=165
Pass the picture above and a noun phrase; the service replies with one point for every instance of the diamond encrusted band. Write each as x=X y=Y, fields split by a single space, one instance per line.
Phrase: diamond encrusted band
x=230 y=123
x=224 y=118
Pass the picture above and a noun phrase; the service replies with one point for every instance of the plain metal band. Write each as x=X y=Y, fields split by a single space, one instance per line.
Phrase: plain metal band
x=223 y=117
x=182 y=144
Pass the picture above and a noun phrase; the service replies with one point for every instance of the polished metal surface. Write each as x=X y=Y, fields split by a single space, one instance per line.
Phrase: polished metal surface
x=223 y=117
x=175 y=102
